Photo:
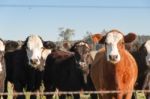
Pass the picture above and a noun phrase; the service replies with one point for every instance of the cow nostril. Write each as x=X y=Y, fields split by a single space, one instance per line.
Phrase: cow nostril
x=113 y=57
x=116 y=56
x=33 y=61
x=110 y=57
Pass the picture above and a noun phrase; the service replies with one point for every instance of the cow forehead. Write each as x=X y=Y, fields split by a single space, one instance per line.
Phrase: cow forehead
x=147 y=46
x=34 y=42
x=113 y=37
x=83 y=44
x=2 y=46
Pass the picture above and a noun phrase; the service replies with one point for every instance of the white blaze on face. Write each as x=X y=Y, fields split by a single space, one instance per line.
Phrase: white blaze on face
x=34 y=49
x=147 y=46
x=112 y=40
x=2 y=48
x=85 y=44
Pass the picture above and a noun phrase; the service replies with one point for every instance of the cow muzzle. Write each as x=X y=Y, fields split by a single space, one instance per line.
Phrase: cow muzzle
x=113 y=58
x=34 y=62
x=85 y=70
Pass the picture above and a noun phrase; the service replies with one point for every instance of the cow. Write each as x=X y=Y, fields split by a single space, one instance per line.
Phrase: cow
x=64 y=69
x=114 y=68
x=142 y=57
x=10 y=47
x=2 y=66
x=27 y=64
x=83 y=52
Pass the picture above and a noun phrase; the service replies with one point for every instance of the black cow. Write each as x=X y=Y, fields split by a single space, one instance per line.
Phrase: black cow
x=10 y=48
x=68 y=71
x=142 y=57
x=26 y=65
x=2 y=66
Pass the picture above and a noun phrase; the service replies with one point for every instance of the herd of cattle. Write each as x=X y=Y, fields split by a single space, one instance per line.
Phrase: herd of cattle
x=34 y=61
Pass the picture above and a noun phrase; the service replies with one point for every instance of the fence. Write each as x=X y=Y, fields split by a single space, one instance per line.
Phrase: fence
x=138 y=94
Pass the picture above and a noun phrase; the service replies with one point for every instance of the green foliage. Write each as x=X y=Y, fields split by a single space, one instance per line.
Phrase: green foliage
x=66 y=34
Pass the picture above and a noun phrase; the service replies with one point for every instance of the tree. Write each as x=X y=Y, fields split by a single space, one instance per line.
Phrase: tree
x=66 y=34
x=87 y=37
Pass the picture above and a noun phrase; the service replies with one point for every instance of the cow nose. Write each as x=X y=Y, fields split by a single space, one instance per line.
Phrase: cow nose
x=113 y=57
x=34 y=61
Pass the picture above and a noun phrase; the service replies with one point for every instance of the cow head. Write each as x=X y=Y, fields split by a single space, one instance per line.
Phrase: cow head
x=2 y=49
x=82 y=50
x=13 y=45
x=147 y=52
x=34 y=47
x=114 y=42
x=83 y=57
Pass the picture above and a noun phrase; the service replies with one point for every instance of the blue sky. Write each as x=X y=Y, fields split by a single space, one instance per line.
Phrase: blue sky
x=16 y=23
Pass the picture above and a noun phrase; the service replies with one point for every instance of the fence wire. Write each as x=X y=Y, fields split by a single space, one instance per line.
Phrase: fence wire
x=74 y=92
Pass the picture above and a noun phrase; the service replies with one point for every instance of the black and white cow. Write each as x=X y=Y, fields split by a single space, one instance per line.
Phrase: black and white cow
x=142 y=57
x=84 y=57
x=68 y=70
x=27 y=64
x=2 y=66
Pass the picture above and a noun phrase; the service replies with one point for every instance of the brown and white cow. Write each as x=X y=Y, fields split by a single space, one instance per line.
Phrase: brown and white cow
x=114 y=68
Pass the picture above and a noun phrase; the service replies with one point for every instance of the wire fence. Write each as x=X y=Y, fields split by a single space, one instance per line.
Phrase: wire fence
x=75 y=92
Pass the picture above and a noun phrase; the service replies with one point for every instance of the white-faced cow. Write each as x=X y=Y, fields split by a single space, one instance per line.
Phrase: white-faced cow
x=28 y=64
x=66 y=70
x=114 y=68
x=2 y=66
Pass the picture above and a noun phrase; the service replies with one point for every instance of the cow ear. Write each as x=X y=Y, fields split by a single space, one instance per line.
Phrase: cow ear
x=97 y=38
x=130 y=37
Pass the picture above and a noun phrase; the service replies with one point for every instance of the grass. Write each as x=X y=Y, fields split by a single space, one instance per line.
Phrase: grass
x=39 y=96
x=138 y=95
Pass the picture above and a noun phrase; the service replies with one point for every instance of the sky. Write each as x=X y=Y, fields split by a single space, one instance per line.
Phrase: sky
x=21 y=18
